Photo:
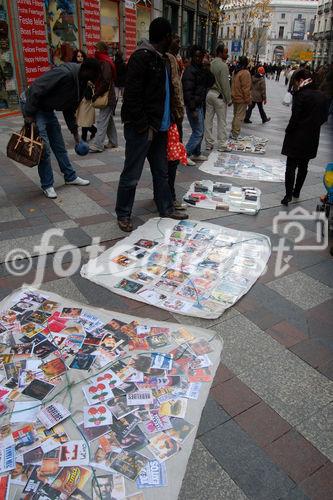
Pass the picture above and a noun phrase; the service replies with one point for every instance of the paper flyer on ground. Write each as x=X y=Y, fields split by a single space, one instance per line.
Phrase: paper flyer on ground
x=254 y=168
x=188 y=267
x=122 y=413
x=223 y=196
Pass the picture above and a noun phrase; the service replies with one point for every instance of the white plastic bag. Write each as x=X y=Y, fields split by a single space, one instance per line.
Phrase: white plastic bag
x=287 y=99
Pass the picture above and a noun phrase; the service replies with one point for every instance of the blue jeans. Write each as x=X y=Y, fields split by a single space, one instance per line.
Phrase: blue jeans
x=193 y=147
x=50 y=131
x=140 y=146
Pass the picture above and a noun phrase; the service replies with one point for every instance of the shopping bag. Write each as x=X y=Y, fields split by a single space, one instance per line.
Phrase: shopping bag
x=85 y=114
x=287 y=99
x=26 y=148
x=175 y=149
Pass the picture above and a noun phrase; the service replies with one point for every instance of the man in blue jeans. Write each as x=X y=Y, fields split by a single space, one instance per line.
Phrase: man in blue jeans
x=60 y=89
x=196 y=81
x=146 y=113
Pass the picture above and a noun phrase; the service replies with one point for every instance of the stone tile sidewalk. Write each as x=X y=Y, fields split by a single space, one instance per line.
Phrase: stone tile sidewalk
x=265 y=432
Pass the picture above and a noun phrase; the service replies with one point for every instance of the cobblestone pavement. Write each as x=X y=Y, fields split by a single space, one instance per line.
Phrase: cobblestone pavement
x=265 y=431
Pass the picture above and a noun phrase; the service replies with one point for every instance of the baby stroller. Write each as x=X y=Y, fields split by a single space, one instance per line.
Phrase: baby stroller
x=326 y=205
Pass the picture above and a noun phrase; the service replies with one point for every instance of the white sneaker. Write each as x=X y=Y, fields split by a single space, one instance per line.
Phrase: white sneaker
x=199 y=158
x=79 y=182
x=50 y=193
x=190 y=163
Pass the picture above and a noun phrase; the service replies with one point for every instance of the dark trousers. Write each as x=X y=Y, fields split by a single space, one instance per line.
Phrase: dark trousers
x=261 y=111
x=302 y=169
x=85 y=131
x=140 y=146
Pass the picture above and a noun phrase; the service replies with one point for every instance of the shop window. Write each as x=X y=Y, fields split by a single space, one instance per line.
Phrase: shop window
x=62 y=29
x=187 y=28
x=8 y=85
x=110 y=23
x=171 y=14
x=202 y=30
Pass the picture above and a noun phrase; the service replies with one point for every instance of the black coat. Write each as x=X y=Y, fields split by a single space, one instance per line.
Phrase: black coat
x=309 y=112
x=144 y=94
x=196 y=81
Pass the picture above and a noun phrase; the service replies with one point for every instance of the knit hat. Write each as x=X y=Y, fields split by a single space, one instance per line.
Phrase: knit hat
x=261 y=70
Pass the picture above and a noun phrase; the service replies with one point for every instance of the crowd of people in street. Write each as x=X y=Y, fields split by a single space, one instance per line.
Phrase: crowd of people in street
x=156 y=87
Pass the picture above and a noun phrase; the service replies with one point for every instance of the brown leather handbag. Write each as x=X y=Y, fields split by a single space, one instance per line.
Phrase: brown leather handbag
x=26 y=149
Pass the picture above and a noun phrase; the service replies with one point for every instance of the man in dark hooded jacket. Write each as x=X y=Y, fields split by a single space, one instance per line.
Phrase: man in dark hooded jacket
x=60 y=89
x=146 y=113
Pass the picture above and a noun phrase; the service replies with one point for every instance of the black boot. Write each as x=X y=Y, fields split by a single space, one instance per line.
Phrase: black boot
x=286 y=200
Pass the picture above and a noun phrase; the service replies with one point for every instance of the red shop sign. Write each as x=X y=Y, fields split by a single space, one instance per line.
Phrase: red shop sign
x=33 y=35
x=92 y=24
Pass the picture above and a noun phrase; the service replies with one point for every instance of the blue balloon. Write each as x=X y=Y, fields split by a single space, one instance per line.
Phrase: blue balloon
x=82 y=148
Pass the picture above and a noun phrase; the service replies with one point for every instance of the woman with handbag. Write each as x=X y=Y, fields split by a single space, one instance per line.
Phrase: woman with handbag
x=85 y=115
x=104 y=99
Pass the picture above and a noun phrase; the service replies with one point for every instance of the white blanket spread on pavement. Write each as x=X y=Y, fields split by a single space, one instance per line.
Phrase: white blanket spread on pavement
x=188 y=267
x=254 y=168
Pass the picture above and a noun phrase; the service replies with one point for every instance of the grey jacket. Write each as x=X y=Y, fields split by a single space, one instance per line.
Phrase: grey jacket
x=58 y=89
x=221 y=73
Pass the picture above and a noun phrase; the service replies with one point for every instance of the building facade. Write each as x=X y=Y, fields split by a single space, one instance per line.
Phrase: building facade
x=37 y=34
x=323 y=33
x=283 y=34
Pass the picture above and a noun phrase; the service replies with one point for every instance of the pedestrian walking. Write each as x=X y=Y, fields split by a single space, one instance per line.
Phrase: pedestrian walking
x=105 y=85
x=121 y=75
x=309 y=112
x=177 y=108
x=217 y=101
x=60 y=89
x=278 y=72
x=258 y=94
x=196 y=81
x=241 y=95
x=85 y=115
x=146 y=113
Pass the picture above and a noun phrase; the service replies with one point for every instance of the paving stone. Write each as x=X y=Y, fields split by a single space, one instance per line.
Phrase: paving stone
x=76 y=203
x=318 y=429
x=30 y=245
x=247 y=464
x=8 y=214
x=205 y=323
x=289 y=386
x=286 y=334
x=319 y=486
x=108 y=176
x=327 y=370
x=245 y=345
x=77 y=236
x=263 y=424
x=66 y=224
x=222 y=374
x=314 y=352
x=322 y=272
x=302 y=290
x=295 y=455
x=234 y=396
x=66 y=288
x=212 y=416
x=206 y=479
x=90 y=162
x=104 y=230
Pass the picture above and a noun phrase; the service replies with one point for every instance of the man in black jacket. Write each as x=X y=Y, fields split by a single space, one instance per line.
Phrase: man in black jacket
x=60 y=89
x=196 y=82
x=146 y=114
